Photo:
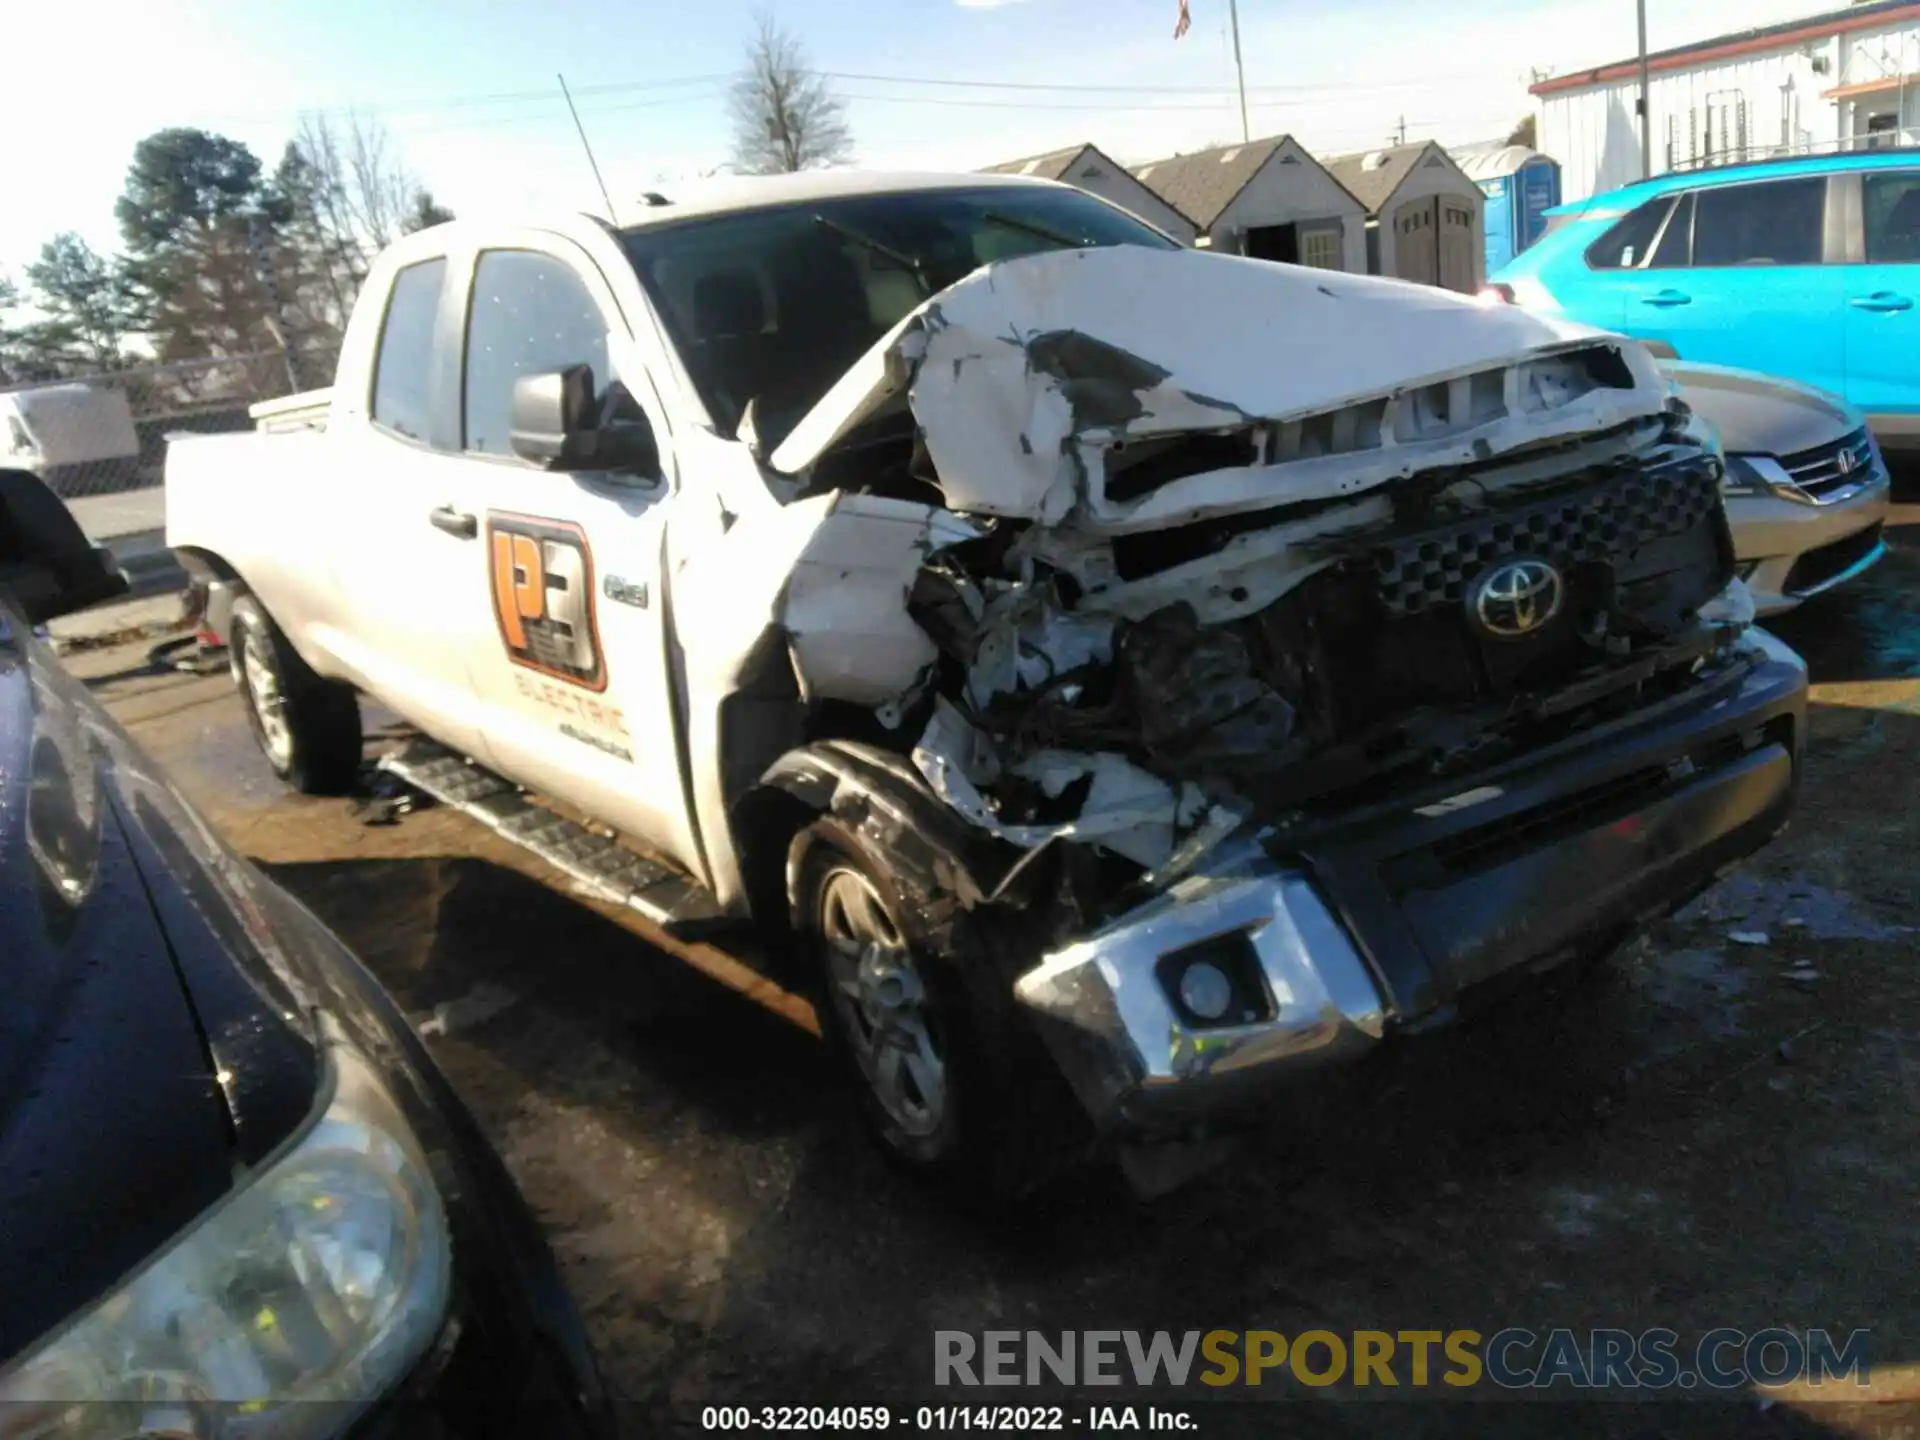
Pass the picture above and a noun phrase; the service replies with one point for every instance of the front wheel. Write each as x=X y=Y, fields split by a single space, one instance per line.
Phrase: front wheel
x=308 y=726
x=951 y=1081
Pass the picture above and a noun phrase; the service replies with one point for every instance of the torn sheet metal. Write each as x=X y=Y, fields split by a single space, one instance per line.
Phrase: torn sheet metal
x=1732 y=609
x=844 y=609
x=1126 y=810
x=1026 y=642
x=1025 y=376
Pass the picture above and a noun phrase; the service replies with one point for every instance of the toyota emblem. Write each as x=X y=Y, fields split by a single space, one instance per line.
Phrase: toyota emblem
x=1516 y=598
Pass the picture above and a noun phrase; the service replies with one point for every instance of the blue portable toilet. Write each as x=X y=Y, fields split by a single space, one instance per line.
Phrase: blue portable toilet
x=1521 y=185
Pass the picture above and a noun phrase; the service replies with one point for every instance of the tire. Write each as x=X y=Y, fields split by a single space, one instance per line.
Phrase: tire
x=308 y=727
x=972 y=1103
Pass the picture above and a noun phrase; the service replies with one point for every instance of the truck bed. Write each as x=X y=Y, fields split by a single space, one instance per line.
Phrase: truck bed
x=305 y=411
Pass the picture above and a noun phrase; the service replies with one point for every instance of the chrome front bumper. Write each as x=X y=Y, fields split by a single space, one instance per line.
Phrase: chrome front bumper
x=1125 y=1047
x=1393 y=914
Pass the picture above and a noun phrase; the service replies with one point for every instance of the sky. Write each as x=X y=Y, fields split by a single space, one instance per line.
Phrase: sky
x=467 y=90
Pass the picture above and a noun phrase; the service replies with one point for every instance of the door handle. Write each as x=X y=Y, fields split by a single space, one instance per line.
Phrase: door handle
x=1881 y=300
x=454 y=522
x=1666 y=297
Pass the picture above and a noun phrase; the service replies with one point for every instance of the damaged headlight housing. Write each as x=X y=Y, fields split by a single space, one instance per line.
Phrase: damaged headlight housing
x=288 y=1308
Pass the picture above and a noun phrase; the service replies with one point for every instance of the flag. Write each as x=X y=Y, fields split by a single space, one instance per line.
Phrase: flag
x=1185 y=22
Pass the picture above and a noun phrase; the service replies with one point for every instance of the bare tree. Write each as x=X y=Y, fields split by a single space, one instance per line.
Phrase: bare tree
x=357 y=187
x=785 y=115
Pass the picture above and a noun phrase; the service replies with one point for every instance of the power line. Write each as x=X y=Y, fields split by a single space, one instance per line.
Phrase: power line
x=1228 y=91
x=1113 y=109
x=693 y=82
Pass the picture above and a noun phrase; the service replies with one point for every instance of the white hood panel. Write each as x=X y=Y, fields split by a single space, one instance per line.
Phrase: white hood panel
x=1027 y=375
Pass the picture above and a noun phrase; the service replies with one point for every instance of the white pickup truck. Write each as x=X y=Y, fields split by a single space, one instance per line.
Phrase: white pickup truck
x=1119 y=679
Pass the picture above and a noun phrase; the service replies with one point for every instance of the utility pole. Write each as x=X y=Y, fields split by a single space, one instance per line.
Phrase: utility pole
x=1400 y=132
x=1646 y=117
x=1240 y=69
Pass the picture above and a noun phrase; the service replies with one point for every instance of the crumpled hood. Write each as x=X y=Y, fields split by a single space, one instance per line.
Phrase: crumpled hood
x=1030 y=375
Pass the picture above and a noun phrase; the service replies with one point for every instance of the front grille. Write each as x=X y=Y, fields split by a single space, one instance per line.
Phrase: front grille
x=1821 y=567
x=1609 y=521
x=1819 y=472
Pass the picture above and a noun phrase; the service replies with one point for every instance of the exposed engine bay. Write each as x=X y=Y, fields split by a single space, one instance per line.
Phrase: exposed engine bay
x=1165 y=595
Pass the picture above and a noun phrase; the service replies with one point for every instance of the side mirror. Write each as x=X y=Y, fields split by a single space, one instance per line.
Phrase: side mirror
x=48 y=565
x=556 y=425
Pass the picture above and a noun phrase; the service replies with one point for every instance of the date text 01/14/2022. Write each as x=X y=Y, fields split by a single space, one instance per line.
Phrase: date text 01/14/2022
x=807 y=1419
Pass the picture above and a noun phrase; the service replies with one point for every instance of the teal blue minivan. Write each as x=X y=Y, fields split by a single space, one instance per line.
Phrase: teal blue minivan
x=1806 y=267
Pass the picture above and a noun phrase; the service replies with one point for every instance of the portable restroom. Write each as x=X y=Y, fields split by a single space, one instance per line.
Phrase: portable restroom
x=1521 y=185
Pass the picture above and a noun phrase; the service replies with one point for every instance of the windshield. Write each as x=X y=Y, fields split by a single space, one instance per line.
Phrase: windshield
x=777 y=304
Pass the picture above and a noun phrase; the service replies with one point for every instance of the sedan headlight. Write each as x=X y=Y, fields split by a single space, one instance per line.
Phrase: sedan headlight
x=1743 y=477
x=289 y=1307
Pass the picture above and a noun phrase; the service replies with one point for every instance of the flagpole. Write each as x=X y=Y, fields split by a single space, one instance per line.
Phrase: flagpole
x=1246 y=132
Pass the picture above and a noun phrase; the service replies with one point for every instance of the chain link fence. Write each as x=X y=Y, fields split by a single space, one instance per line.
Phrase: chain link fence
x=105 y=434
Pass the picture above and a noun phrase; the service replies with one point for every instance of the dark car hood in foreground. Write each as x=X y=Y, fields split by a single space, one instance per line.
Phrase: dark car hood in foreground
x=117 y=1118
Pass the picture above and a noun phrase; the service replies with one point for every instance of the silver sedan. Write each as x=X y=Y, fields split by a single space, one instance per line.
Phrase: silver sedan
x=1806 y=488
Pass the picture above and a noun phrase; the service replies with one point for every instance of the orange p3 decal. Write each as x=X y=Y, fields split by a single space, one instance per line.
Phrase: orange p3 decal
x=542 y=577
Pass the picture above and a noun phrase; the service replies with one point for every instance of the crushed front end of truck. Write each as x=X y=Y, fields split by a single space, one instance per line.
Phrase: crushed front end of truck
x=1317 y=651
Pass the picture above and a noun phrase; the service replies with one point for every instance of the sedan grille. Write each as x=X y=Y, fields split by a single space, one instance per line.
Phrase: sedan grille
x=1831 y=472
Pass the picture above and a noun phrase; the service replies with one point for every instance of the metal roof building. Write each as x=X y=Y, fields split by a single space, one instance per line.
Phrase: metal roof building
x=1269 y=199
x=1088 y=167
x=1839 y=79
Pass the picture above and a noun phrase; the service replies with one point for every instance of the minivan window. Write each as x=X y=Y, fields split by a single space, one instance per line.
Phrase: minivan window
x=1891 y=201
x=1674 y=249
x=1626 y=244
x=530 y=314
x=404 y=365
x=1774 y=222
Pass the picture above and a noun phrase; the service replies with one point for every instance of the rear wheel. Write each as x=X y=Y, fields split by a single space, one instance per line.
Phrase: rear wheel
x=951 y=1081
x=308 y=727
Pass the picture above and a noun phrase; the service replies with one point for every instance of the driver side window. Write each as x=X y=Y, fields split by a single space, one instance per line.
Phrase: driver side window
x=529 y=314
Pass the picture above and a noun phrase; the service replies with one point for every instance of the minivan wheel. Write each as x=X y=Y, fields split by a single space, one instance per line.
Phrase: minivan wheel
x=308 y=727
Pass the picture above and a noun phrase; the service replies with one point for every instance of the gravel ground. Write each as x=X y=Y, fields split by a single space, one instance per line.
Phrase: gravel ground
x=1716 y=1133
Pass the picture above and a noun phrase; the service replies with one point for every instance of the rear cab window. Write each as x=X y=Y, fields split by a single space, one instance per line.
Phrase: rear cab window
x=403 y=366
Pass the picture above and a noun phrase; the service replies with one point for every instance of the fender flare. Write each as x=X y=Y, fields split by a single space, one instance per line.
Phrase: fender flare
x=874 y=791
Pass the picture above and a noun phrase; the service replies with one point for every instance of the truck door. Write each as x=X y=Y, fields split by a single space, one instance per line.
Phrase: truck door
x=399 y=553
x=575 y=677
